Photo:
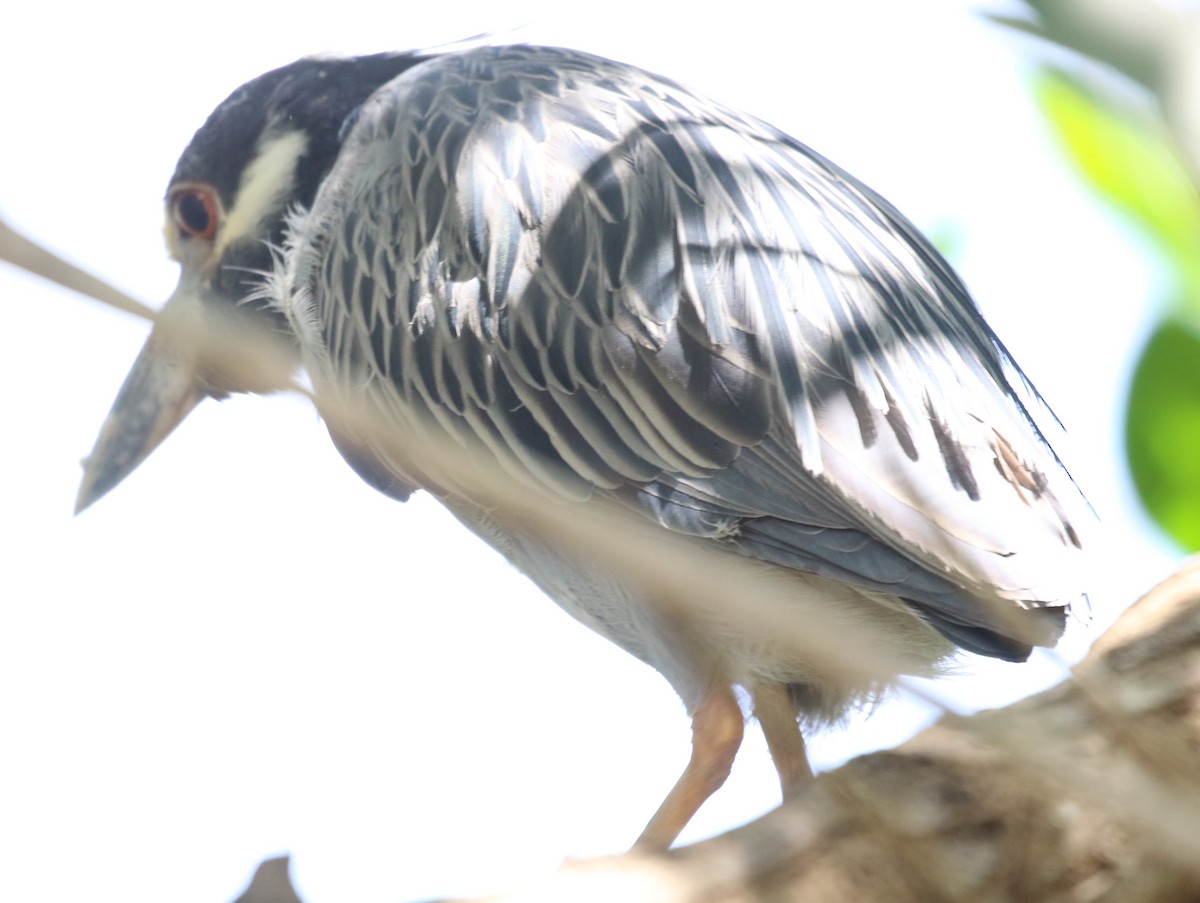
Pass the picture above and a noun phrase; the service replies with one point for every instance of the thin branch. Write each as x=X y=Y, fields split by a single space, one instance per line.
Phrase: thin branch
x=27 y=254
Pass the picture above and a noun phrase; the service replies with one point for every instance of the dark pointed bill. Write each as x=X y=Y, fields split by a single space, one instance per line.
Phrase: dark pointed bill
x=160 y=390
x=195 y=350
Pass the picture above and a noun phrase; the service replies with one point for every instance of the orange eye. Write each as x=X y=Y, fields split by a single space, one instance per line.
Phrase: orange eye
x=194 y=209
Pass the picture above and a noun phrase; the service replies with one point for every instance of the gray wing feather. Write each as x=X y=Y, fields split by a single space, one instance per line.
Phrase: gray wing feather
x=617 y=287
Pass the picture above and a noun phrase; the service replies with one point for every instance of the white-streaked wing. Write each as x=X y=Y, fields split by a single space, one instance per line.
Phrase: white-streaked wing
x=618 y=287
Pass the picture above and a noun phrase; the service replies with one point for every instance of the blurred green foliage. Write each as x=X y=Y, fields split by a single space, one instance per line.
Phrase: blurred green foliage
x=1127 y=157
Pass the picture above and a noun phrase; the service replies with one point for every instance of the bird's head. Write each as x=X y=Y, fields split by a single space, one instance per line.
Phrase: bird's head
x=262 y=154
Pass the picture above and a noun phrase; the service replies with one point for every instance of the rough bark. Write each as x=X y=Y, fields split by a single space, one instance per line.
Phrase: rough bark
x=1089 y=791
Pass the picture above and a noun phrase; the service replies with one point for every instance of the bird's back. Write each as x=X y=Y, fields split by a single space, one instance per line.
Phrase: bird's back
x=617 y=290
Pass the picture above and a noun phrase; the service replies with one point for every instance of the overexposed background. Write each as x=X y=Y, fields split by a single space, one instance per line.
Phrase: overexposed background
x=245 y=651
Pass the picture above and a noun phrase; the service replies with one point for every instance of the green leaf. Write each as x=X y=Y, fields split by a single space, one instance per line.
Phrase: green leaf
x=949 y=238
x=1162 y=430
x=1127 y=156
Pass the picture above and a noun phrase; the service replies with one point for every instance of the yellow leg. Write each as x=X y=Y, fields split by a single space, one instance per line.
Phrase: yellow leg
x=717 y=727
x=775 y=712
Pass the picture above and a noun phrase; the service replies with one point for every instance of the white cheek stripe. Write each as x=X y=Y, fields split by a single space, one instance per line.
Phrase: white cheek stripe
x=265 y=184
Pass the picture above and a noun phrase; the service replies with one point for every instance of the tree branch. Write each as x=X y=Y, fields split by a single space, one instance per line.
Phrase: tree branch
x=23 y=252
x=1088 y=791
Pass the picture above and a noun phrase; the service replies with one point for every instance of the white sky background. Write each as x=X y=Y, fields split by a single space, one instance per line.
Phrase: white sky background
x=244 y=650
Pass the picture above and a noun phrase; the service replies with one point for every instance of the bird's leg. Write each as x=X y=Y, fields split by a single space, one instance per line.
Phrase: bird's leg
x=776 y=714
x=717 y=727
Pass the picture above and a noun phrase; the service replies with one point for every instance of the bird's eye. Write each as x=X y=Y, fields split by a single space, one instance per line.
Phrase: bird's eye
x=194 y=209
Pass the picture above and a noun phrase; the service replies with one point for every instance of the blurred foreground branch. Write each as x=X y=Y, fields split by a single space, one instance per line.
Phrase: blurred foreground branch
x=1089 y=791
x=27 y=254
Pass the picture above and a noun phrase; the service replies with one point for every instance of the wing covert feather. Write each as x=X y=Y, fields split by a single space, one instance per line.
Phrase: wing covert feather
x=577 y=264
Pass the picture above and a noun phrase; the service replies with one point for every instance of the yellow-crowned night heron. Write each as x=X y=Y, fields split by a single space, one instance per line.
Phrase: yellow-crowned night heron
x=624 y=295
